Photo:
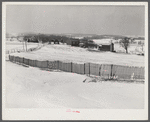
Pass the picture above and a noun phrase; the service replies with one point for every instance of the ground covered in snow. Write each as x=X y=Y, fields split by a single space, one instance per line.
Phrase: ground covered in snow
x=132 y=49
x=35 y=88
x=10 y=45
x=82 y=55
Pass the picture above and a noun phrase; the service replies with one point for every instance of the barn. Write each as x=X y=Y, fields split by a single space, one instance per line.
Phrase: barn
x=87 y=43
x=54 y=41
x=90 y=44
x=73 y=42
x=105 y=45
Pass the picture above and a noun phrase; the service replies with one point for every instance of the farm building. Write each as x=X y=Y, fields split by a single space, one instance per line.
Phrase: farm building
x=109 y=47
x=90 y=44
x=11 y=39
x=139 y=41
x=33 y=39
x=8 y=39
x=73 y=42
x=54 y=41
x=105 y=44
x=87 y=43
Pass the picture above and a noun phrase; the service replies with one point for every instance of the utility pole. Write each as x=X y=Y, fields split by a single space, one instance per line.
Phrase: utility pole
x=38 y=38
x=21 y=40
x=26 y=45
x=23 y=45
x=22 y=35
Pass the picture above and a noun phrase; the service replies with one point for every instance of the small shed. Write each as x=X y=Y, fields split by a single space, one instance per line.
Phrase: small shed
x=105 y=47
x=91 y=44
x=54 y=41
x=73 y=42
x=87 y=43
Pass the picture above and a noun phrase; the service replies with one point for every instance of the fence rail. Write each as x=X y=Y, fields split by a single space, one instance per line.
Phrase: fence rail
x=104 y=70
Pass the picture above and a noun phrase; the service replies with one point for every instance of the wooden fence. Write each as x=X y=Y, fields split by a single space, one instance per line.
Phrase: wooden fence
x=104 y=70
x=23 y=50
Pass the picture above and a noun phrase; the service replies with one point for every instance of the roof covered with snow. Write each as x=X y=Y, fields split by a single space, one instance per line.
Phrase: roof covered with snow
x=103 y=41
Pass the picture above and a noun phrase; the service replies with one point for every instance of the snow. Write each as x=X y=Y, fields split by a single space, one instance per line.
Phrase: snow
x=28 y=87
x=19 y=45
x=132 y=49
x=103 y=41
x=82 y=55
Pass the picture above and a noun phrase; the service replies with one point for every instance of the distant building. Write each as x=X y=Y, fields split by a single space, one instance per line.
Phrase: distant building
x=33 y=39
x=105 y=47
x=87 y=43
x=73 y=42
x=105 y=44
x=91 y=44
x=8 y=39
x=54 y=41
x=137 y=41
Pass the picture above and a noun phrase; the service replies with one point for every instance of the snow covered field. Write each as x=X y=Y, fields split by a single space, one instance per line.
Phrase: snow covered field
x=18 y=45
x=82 y=55
x=34 y=88
x=132 y=49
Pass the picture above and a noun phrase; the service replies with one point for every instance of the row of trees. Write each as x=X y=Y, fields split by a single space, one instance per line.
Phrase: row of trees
x=45 y=38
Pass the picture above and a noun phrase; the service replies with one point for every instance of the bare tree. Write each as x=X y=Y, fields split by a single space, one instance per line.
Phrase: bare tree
x=25 y=38
x=125 y=43
x=141 y=44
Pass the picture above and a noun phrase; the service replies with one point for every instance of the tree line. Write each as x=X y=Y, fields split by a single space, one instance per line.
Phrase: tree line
x=124 y=42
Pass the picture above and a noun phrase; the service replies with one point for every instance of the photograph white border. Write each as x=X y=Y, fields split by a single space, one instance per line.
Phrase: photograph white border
x=85 y=114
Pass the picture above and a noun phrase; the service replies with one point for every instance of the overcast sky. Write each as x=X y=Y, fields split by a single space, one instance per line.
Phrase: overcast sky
x=115 y=20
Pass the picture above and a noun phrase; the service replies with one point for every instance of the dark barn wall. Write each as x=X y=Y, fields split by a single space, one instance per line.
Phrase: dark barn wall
x=112 y=47
x=68 y=41
x=56 y=41
x=72 y=42
x=90 y=45
x=105 y=48
x=75 y=43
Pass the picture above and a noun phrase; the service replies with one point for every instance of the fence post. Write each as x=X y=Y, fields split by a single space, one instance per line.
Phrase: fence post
x=47 y=64
x=28 y=61
x=9 y=58
x=34 y=63
x=57 y=65
x=18 y=60
x=84 y=68
x=12 y=58
x=100 y=70
x=71 y=66
x=23 y=60
x=111 y=70
x=15 y=58
x=89 y=69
